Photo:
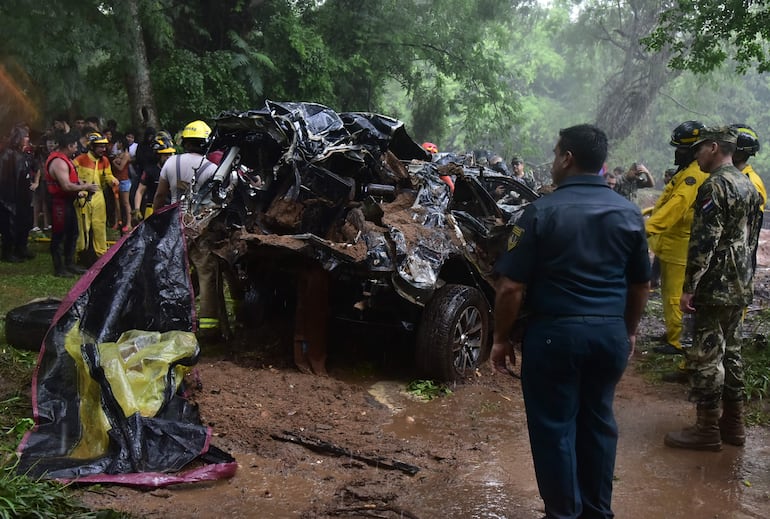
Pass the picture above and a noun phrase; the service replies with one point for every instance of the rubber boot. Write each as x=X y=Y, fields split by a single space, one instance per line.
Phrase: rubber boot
x=58 y=267
x=24 y=253
x=70 y=266
x=731 y=426
x=7 y=253
x=703 y=436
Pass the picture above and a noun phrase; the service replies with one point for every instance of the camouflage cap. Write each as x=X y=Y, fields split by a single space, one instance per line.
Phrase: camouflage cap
x=717 y=133
x=517 y=160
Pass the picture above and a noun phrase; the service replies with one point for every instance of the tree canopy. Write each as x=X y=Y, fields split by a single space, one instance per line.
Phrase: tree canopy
x=702 y=35
x=502 y=75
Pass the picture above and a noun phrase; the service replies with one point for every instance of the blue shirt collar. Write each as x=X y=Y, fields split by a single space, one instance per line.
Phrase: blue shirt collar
x=587 y=179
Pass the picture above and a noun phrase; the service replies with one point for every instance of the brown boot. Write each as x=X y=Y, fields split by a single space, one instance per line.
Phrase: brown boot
x=703 y=436
x=731 y=425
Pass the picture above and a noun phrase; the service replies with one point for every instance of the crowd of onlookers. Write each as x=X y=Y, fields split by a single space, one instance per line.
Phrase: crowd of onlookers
x=125 y=168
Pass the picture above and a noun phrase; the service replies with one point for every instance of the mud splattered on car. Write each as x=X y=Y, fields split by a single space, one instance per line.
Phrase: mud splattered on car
x=300 y=185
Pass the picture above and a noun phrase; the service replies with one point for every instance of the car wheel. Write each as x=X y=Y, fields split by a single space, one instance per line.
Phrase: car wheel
x=453 y=338
x=26 y=326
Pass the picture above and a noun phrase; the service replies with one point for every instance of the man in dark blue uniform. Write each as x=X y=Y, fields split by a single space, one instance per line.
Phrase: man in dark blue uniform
x=579 y=258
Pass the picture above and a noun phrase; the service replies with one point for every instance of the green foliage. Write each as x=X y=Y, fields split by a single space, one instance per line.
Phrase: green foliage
x=58 y=75
x=20 y=496
x=756 y=357
x=756 y=363
x=191 y=86
x=22 y=282
x=16 y=371
x=299 y=66
x=703 y=35
x=427 y=389
x=465 y=74
x=16 y=432
x=25 y=498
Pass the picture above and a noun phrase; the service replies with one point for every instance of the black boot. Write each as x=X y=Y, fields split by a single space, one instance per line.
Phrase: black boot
x=731 y=426
x=24 y=253
x=58 y=267
x=70 y=266
x=8 y=256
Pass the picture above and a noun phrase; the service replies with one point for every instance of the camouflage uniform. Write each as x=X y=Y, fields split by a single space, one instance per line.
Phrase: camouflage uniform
x=719 y=273
x=629 y=188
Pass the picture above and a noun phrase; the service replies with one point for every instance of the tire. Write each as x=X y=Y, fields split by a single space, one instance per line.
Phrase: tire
x=454 y=334
x=26 y=325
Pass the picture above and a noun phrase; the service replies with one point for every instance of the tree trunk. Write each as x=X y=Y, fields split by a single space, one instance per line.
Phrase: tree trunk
x=628 y=94
x=139 y=86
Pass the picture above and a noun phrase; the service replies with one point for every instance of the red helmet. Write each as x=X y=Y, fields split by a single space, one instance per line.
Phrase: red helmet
x=429 y=146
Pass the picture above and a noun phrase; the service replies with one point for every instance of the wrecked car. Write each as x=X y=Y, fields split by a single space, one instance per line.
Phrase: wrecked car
x=353 y=193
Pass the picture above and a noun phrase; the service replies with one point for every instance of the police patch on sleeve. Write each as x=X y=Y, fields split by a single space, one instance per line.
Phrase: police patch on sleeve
x=690 y=181
x=516 y=234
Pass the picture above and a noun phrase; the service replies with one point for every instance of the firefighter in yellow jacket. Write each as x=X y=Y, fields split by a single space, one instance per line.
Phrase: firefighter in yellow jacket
x=668 y=230
x=748 y=146
x=93 y=167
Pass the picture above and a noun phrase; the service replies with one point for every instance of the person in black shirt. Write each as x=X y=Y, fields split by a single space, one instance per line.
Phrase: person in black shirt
x=148 y=183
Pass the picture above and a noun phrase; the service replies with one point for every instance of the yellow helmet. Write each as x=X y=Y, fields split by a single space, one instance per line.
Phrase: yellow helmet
x=96 y=138
x=196 y=130
x=162 y=147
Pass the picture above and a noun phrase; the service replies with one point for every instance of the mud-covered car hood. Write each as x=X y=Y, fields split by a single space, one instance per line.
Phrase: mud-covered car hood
x=353 y=189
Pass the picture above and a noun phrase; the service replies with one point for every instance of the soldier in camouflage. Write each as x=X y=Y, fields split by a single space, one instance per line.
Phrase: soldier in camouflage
x=717 y=287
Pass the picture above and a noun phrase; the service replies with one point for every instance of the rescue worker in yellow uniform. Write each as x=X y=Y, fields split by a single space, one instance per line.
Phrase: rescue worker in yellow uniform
x=93 y=167
x=748 y=146
x=668 y=230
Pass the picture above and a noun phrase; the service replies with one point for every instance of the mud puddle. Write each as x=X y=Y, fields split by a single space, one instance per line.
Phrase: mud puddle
x=652 y=481
x=471 y=447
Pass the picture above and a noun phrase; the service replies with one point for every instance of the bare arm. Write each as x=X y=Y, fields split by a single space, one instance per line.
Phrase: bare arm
x=35 y=181
x=636 y=299
x=60 y=171
x=140 y=189
x=509 y=296
x=121 y=160
x=161 y=194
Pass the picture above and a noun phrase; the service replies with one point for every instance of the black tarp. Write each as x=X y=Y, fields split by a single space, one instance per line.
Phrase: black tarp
x=138 y=293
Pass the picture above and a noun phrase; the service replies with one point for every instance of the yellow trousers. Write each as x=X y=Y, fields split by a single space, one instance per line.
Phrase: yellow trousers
x=92 y=223
x=671 y=281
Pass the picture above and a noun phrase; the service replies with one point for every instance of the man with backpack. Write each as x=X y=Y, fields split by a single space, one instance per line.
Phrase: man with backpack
x=178 y=180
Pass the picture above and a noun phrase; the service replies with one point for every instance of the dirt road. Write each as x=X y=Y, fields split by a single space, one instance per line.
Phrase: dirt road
x=471 y=448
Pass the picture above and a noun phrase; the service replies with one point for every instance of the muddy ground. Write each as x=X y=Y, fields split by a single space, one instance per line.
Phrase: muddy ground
x=471 y=447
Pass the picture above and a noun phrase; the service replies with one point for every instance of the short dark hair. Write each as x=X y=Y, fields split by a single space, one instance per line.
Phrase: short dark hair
x=120 y=138
x=64 y=139
x=588 y=145
x=16 y=139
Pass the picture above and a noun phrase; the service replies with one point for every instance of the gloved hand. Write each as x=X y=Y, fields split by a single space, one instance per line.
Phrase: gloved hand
x=137 y=215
